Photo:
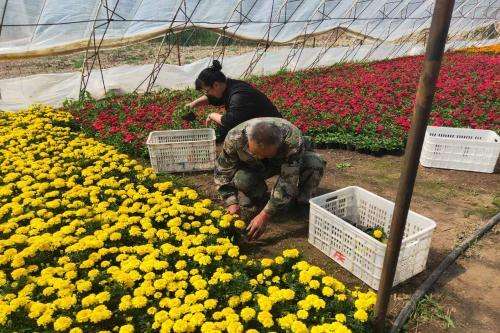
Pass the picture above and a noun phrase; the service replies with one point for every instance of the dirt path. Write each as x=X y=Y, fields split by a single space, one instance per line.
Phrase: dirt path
x=469 y=290
x=459 y=202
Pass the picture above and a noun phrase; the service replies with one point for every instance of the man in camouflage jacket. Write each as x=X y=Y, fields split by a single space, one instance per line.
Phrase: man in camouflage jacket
x=259 y=149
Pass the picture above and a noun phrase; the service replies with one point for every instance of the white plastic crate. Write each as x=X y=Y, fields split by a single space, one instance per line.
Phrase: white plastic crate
x=357 y=251
x=460 y=149
x=182 y=150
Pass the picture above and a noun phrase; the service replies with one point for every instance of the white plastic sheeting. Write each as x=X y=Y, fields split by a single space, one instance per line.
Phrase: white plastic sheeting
x=32 y=27
x=53 y=89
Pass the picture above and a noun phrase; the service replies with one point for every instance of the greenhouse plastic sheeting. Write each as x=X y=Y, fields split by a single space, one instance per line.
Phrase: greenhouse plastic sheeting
x=37 y=28
x=50 y=26
x=53 y=89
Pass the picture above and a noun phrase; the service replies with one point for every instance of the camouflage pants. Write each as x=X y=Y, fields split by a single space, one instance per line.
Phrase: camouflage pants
x=251 y=183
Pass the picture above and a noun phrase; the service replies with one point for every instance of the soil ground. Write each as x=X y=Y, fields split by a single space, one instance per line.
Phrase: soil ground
x=465 y=299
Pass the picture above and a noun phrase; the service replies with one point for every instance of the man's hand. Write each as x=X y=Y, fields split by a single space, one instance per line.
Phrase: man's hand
x=189 y=105
x=233 y=209
x=257 y=226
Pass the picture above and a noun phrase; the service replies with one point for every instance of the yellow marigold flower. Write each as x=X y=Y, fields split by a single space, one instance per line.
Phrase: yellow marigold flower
x=304 y=277
x=58 y=183
x=76 y=330
x=53 y=204
x=299 y=327
x=216 y=214
x=224 y=223
x=288 y=294
x=291 y=253
x=210 y=303
x=163 y=186
x=139 y=301
x=45 y=318
x=233 y=252
x=180 y=326
x=240 y=224
x=327 y=291
x=181 y=264
x=83 y=315
x=247 y=313
x=115 y=236
x=265 y=303
x=234 y=301
x=89 y=300
x=245 y=296
x=17 y=262
x=103 y=297
x=93 y=273
x=18 y=273
x=287 y=321
x=265 y=318
x=302 y=314
x=126 y=329
x=340 y=317
x=377 y=233
x=328 y=281
x=361 y=315
x=314 y=284
x=62 y=323
x=100 y=313
x=179 y=293
x=266 y=262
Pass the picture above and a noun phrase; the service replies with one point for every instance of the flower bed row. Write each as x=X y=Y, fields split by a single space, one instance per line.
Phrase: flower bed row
x=366 y=106
x=91 y=241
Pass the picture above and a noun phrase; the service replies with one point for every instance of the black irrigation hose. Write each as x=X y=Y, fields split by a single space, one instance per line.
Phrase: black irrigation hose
x=450 y=258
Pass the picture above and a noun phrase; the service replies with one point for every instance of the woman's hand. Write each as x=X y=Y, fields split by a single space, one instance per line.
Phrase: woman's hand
x=215 y=117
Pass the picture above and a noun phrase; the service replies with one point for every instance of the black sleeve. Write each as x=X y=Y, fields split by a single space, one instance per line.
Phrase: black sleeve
x=215 y=101
x=240 y=109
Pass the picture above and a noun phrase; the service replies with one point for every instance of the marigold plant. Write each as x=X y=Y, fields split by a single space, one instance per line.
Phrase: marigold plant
x=92 y=241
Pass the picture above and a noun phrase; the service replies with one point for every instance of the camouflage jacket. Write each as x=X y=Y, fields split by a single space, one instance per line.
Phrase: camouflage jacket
x=235 y=155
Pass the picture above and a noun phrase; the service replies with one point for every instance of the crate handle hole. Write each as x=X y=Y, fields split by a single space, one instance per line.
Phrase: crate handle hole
x=331 y=199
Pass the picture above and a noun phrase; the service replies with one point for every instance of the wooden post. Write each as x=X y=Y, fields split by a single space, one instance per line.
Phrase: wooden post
x=423 y=102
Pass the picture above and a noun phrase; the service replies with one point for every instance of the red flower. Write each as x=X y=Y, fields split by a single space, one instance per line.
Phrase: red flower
x=128 y=137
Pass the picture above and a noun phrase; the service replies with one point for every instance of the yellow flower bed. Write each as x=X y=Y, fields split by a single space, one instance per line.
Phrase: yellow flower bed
x=91 y=241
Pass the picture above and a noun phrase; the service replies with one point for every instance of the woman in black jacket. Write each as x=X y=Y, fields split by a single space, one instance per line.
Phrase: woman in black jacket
x=241 y=100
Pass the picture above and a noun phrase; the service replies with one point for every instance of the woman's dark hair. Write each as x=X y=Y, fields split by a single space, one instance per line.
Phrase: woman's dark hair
x=210 y=75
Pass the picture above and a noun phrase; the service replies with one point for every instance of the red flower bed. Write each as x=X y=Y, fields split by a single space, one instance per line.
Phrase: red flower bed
x=369 y=106
x=126 y=121
x=366 y=106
